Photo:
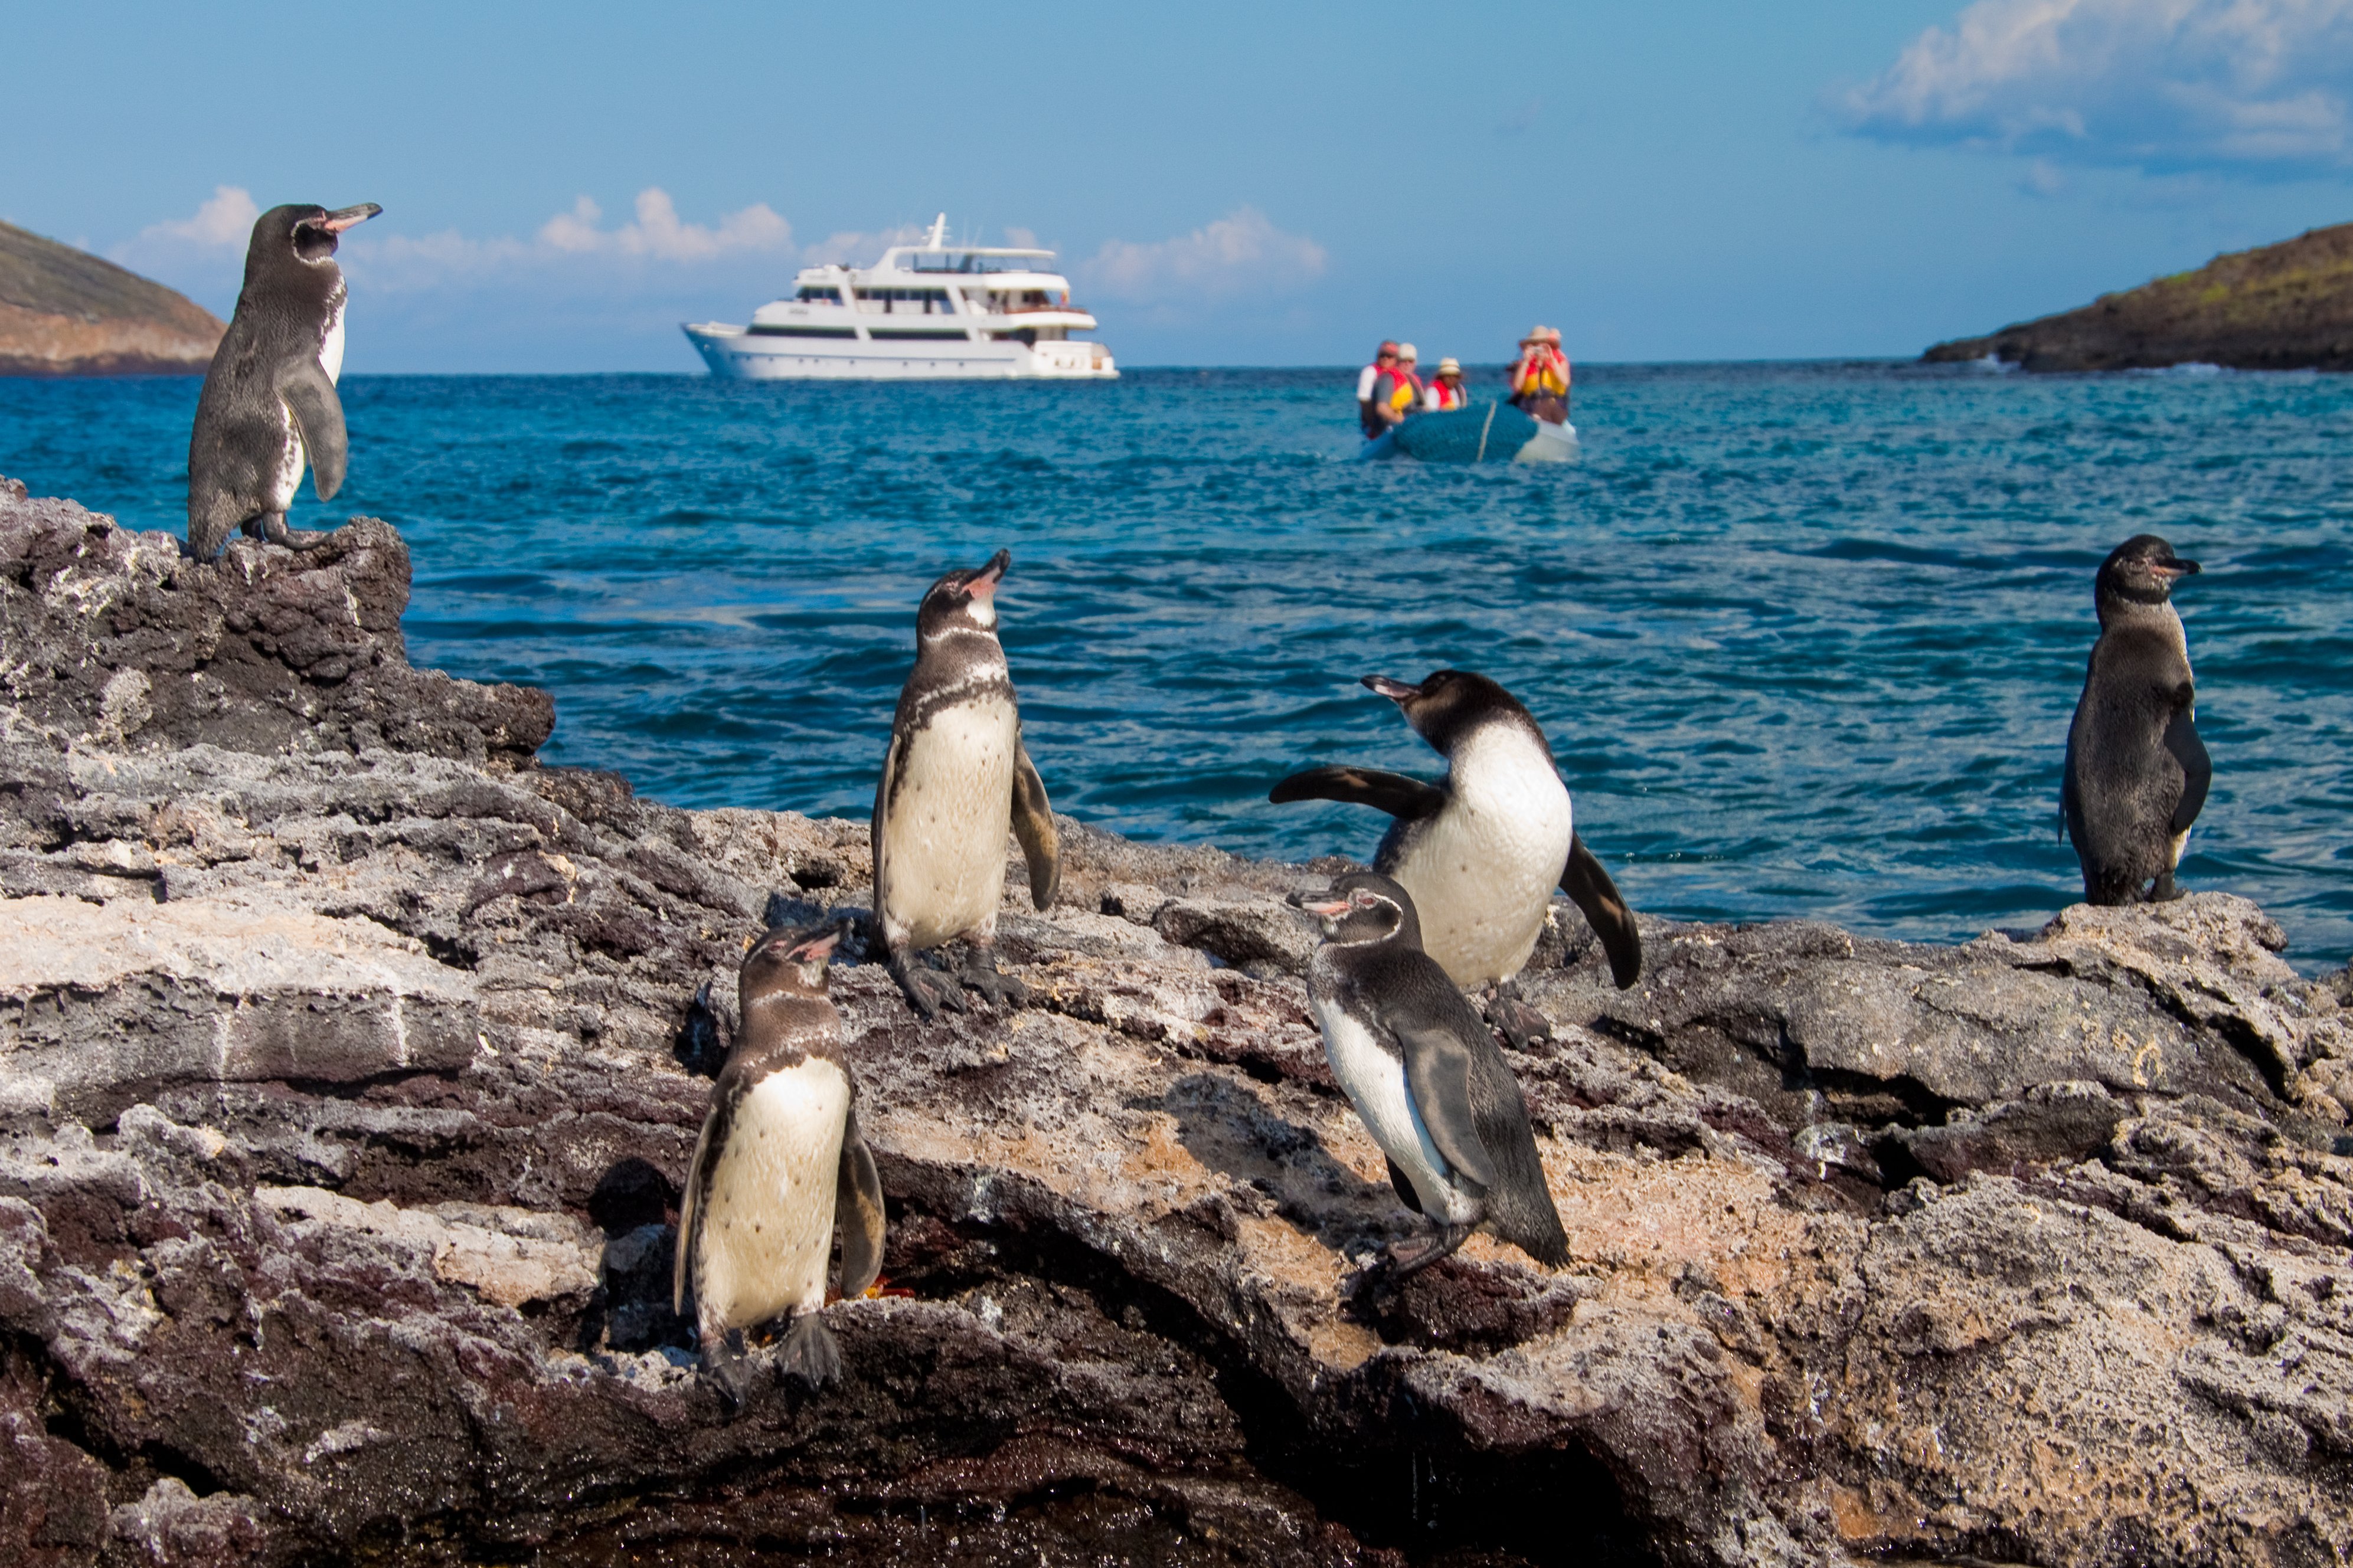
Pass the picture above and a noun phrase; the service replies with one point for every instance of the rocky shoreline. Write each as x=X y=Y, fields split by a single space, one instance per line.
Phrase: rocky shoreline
x=2278 y=307
x=349 y=1061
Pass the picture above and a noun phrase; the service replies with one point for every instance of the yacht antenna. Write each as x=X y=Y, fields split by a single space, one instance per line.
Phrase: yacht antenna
x=938 y=234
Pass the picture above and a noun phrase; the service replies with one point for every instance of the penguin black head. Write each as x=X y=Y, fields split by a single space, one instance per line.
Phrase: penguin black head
x=1447 y=706
x=966 y=598
x=791 y=959
x=298 y=236
x=1363 y=906
x=2141 y=571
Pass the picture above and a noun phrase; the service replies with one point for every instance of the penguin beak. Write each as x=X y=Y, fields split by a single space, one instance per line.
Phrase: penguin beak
x=817 y=950
x=1395 y=690
x=347 y=217
x=2177 y=569
x=1322 y=904
x=985 y=581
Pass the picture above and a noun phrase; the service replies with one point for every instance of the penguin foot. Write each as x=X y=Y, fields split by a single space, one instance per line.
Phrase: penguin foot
x=980 y=974
x=811 y=1352
x=1406 y=1259
x=926 y=990
x=1521 y=1025
x=274 y=530
x=2165 y=890
x=729 y=1368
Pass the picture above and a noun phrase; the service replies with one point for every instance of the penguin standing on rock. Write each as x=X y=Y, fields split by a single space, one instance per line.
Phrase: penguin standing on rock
x=268 y=402
x=953 y=781
x=1481 y=850
x=1425 y=1076
x=781 y=1168
x=2137 y=771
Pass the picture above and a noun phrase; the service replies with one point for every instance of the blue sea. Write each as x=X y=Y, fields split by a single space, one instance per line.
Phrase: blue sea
x=1806 y=637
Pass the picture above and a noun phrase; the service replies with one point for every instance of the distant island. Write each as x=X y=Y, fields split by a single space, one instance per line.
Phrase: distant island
x=67 y=312
x=2282 y=307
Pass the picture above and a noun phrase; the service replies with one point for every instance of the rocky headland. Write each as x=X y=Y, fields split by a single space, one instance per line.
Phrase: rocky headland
x=349 y=1062
x=2281 y=306
x=66 y=312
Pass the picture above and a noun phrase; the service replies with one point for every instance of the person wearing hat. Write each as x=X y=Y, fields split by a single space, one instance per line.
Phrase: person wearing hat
x=1446 y=390
x=1541 y=370
x=1384 y=358
x=1397 y=392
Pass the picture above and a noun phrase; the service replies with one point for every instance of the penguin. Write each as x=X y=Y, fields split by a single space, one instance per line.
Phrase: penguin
x=1481 y=850
x=2137 y=771
x=268 y=402
x=780 y=1170
x=1427 y=1077
x=954 y=780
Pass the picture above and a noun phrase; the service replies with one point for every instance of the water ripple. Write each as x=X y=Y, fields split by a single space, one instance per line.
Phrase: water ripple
x=1806 y=637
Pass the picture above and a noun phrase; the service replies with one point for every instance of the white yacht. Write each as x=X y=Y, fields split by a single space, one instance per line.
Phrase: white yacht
x=923 y=313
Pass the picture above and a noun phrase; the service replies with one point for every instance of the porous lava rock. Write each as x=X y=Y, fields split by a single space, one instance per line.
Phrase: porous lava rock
x=349 y=1064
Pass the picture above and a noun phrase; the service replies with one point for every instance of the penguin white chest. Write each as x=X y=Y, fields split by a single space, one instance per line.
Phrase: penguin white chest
x=1374 y=1080
x=1483 y=871
x=945 y=829
x=766 y=1223
x=331 y=346
x=288 y=478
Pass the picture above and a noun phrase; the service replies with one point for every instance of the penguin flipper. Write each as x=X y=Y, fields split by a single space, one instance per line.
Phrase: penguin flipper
x=884 y=789
x=318 y=414
x=1597 y=897
x=1033 y=825
x=1437 y=1067
x=858 y=1212
x=1402 y=797
x=690 y=1206
x=2197 y=769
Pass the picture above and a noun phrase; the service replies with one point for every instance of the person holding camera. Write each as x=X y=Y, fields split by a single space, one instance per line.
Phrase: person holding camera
x=1540 y=372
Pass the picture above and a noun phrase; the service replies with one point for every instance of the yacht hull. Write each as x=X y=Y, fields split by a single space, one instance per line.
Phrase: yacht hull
x=741 y=355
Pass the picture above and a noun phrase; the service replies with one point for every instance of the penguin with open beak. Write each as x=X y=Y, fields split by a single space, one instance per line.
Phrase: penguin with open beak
x=781 y=1170
x=270 y=402
x=955 y=779
x=1427 y=1077
x=1481 y=849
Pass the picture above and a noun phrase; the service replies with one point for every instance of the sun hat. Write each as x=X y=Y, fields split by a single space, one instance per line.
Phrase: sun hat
x=1552 y=335
x=1450 y=365
x=1536 y=334
x=1405 y=350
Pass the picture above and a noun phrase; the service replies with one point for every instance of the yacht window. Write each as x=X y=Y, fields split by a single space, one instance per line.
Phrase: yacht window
x=827 y=296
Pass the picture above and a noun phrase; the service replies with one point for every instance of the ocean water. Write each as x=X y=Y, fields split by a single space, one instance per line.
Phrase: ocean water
x=1806 y=637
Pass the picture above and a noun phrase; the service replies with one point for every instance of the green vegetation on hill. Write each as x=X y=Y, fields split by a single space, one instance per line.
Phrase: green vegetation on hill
x=2282 y=307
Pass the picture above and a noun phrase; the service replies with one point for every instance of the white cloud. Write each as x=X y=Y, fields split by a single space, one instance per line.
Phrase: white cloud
x=861 y=247
x=658 y=233
x=2156 y=85
x=1241 y=251
x=224 y=222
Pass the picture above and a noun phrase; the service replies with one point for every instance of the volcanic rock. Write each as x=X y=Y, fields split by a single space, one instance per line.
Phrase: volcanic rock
x=349 y=1065
x=2280 y=307
x=66 y=312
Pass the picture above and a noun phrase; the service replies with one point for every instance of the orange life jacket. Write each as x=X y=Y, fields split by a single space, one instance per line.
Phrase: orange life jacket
x=1544 y=371
x=1404 y=392
x=1455 y=396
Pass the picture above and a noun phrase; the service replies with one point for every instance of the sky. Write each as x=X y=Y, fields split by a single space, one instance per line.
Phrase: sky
x=1227 y=183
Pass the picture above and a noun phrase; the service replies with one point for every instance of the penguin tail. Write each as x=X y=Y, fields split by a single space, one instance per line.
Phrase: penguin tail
x=1540 y=1236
